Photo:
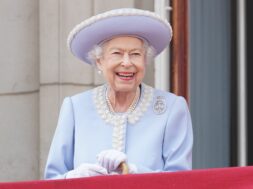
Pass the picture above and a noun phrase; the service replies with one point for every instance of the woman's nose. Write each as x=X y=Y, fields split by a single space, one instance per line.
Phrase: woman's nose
x=126 y=60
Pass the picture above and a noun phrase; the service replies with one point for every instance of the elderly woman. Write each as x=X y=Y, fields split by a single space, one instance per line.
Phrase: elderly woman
x=124 y=120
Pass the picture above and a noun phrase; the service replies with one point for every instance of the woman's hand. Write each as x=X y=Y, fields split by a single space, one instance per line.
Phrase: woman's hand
x=111 y=159
x=87 y=170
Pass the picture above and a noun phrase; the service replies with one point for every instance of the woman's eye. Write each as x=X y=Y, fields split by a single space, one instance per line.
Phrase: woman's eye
x=136 y=54
x=116 y=52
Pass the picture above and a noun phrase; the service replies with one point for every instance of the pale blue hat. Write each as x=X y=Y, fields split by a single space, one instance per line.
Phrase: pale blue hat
x=128 y=21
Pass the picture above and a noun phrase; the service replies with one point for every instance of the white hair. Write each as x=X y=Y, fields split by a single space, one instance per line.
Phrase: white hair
x=97 y=52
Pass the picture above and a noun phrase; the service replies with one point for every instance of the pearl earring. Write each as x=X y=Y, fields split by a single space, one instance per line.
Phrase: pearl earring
x=99 y=72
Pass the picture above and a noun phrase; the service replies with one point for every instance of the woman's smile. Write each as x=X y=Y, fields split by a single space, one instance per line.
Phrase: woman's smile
x=126 y=76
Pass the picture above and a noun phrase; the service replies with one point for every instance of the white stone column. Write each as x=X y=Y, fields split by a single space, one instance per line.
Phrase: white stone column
x=19 y=85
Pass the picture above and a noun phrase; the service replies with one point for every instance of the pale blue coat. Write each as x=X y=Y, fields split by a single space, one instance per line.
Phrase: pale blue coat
x=158 y=141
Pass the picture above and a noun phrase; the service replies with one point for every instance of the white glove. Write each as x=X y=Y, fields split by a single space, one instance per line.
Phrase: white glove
x=110 y=159
x=132 y=168
x=87 y=170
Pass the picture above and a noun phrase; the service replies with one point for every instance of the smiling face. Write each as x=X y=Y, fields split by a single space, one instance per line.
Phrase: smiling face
x=123 y=63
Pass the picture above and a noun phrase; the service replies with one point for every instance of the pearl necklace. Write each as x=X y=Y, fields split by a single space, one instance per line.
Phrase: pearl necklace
x=132 y=105
x=120 y=121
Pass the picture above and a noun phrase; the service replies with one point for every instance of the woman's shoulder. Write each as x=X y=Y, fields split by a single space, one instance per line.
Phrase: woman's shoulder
x=159 y=92
x=84 y=96
x=166 y=95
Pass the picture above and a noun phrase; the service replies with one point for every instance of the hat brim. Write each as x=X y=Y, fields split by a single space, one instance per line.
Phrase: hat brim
x=154 y=31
